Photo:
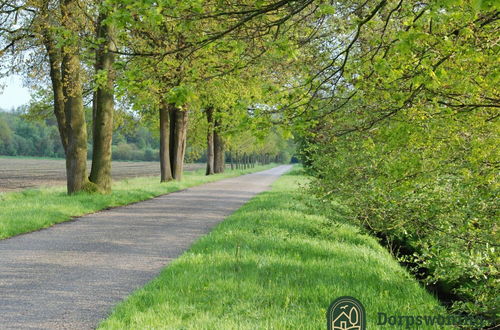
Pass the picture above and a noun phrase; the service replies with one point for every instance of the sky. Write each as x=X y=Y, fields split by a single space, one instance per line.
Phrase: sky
x=13 y=94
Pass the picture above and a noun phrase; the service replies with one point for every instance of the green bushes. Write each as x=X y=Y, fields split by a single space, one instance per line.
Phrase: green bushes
x=19 y=137
x=429 y=187
x=125 y=151
x=26 y=136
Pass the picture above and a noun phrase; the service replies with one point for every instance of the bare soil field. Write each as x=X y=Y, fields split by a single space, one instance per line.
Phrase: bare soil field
x=21 y=173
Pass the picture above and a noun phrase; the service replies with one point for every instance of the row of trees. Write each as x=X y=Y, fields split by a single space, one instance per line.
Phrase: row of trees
x=395 y=104
x=24 y=134
x=91 y=52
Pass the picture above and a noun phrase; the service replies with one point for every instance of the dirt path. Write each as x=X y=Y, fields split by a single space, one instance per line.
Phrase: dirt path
x=71 y=275
x=22 y=173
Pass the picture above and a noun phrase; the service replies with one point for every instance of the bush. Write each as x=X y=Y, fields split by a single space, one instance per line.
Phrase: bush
x=123 y=151
x=430 y=190
x=151 y=155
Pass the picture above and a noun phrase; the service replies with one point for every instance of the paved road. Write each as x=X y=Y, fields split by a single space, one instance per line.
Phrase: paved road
x=71 y=275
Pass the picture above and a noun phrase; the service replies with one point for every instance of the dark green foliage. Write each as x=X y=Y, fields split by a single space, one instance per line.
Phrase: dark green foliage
x=22 y=135
x=433 y=201
x=19 y=137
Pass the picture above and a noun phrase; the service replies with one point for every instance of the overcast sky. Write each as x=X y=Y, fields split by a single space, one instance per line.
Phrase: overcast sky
x=13 y=94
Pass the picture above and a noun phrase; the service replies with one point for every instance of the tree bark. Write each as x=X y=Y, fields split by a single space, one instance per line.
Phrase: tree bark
x=232 y=160
x=210 y=141
x=178 y=135
x=165 y=169
x=219 y=155
x=76 y=153
x=100 y=173
x=54 y=56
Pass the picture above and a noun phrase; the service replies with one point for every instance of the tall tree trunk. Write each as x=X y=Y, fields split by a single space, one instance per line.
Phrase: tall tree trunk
x=100 y=173
x=165 y=169
x=178 y=135
x=210 y=141
x=219 y=154
x=76 y=153
x=232 y=160
x=54 y=56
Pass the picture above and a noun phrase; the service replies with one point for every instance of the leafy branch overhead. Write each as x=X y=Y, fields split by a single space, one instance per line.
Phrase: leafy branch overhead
x=392 y=104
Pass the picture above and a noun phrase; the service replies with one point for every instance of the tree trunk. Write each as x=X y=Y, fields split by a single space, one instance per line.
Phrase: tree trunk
x=76 y=153
x=178 y=135
x=165 y=169
x=219 y=155
x=210 y=141
x=100 y=173
x=232 y=160
x=54 y=56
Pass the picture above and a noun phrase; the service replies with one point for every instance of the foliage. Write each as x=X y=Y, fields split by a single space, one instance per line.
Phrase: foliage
x=30 y=135
x=394 y=105
x=19 y=137
x=408 y=140
x=429 y=198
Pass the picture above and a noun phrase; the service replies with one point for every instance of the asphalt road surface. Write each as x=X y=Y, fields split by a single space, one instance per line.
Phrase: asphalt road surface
x=71 y=275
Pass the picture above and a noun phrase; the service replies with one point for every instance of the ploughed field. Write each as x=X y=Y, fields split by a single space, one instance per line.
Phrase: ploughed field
x=22 y=173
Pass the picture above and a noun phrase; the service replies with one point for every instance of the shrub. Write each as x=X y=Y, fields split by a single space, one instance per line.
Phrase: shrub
x=429 y=189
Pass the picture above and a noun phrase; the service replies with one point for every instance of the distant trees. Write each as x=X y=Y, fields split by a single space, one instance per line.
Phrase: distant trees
x=19 y=137
x=40 y=137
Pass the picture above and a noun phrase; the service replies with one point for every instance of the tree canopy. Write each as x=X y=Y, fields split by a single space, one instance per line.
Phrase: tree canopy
x=394 y=105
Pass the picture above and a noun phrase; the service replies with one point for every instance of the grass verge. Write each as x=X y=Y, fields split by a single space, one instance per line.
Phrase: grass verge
x=274 y=264
x=33 y=209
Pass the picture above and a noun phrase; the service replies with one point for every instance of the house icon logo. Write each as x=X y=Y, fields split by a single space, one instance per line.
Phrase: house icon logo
x=346 y=313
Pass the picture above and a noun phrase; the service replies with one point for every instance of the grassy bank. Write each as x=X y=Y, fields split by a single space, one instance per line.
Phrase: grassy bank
x=33 y=209
x=274 y=264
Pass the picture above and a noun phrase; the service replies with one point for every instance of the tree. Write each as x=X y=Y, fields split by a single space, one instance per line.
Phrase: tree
x=103 y=108
x=210 y=140
x=59 y=28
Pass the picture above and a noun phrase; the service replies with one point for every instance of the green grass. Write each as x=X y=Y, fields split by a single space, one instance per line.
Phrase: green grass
x=274 y=264
x=33 y=209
